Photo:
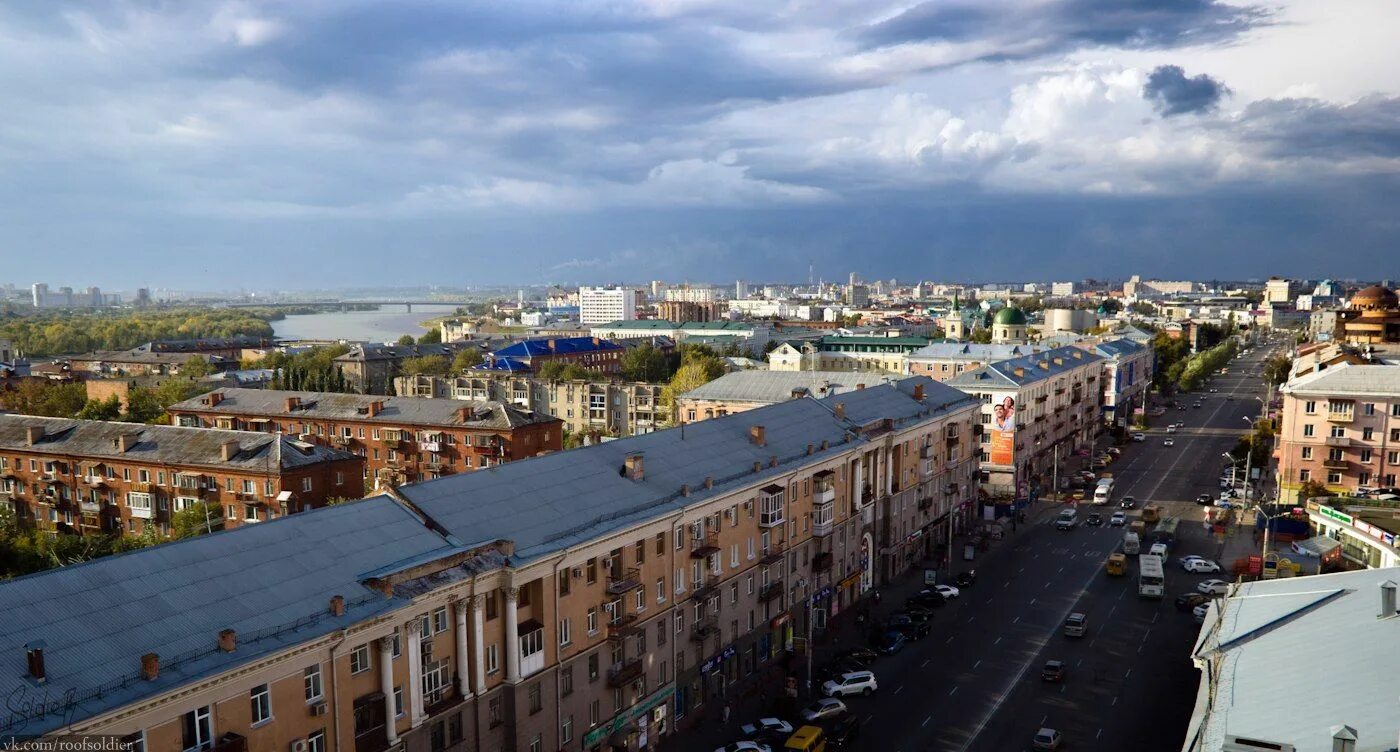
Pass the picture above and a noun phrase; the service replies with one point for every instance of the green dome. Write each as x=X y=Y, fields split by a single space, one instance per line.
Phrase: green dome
x=1010 y=317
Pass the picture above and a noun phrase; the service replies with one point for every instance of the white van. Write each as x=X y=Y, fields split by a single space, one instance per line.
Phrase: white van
x=1103 y=494
x=1159 y=550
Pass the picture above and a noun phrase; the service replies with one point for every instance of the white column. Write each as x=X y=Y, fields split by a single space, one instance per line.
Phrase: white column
x=386 y=685
x=478 y=649
x=859 y=486
x=889 y=470
x=512 y=636
x=459 y=612
x=414 y=690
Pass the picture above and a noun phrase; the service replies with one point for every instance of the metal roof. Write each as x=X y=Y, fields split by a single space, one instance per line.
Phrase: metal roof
x=531 y=348
x=174 y=445
x=1032 y=368
x=1319 y=637
x=767 y=387
x=1348 y=380
x=972 y=351
x=418 y=411
x=271 y=582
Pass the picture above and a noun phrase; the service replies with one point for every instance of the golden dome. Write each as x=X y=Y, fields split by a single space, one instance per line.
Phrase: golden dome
x=1374 y=297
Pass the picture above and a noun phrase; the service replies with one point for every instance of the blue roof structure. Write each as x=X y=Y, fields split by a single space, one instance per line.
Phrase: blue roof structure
x=532 y=348
x=510 y=365
x=1116 y=348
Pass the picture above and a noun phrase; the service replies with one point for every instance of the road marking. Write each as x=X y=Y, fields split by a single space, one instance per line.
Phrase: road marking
x=978 y=663
x=998 y=642
x=1032 y=601
x=896 y=689
x=1098 y=734
x=1062 y=571
x=1063 y=687
x=1154 y=616
x=970 y=618
x=1043 y=720
x=1110 y=613
x=1115 y=701
x=925 y=663
x=926 y=720
x=945 y=643
x=953 y=690
x=1079 y=663
x=1130 y=673
x=1146 y=634
x=1094 y=640
x=1013 y=621
x=1048 y=583
x=1022 y=570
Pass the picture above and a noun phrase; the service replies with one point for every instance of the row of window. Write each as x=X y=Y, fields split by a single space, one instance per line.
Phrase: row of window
x=1348 y=407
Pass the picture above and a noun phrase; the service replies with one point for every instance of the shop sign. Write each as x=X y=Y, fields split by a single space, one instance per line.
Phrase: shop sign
x=1331 y=513
x=852 y=579
x=633 y=713
x=822 y=594
x=717 y=659
x=779 y=620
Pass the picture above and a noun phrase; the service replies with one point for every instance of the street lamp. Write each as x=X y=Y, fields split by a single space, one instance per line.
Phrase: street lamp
x=1248 y=457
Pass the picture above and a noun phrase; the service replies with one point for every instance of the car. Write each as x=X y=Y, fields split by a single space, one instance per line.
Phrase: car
x=745 y=746
x=1213 y=391
x=1197 y=405
x=1189 y=557
x=1181 y=407
x=1204 y=500
x=915 y=614
x=1200 y=612
x=1114 y=451
x=916 y=631
x=1229 y=398
x=1053 y=671
x=1168 y=442
x=843 y=730
x=836 y=669
x=891 y=643
x=1139 y=437
x=767 y=729
x=1118 y=519
x=1127 y=502
x=966 y=579
x=1200 y=566
x=1093 y=520
x=947 y=591
x=851 y=683
x=1188 y=601
x=1213 y=587
x=826 y=707
x=925 y=600
x=1067 y=520
x=1098 y=464
x=1046 y=738
x=1077 y=625
x=1179 y=424
x=860 y=654
x=1171 y=429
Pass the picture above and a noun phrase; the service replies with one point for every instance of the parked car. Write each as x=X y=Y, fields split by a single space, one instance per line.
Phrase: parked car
x=851 y=683
x=1204 y=499
x=826 y=707
x=1052 y=671
x=925 y=599
x=858 y=654
x=966 y=579
x=1093 y=519
x=1200 y=565
x=843 y=730
x=947 y=591
x=1046 y=738
x=1200 y=612
x=1114 y=451
x=1127 y=502
x=767 y=730
x=891 y=643
x=1119 y=519
x=1188 y=601
x=745 y=746
x=1213 y=587
x=915 y=631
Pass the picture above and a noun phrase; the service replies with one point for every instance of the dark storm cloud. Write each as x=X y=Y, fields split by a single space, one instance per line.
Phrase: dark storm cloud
x=1369 y=127
x=1049 y=27
x=1172 y=93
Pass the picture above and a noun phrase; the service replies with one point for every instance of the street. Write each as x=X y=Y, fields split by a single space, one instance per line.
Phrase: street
x=974 y=683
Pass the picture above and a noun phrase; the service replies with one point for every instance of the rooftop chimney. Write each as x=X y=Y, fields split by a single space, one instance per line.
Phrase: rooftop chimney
x=337 y=605
x=709 y=481
x=841 y=410
x=150 y=666
x=1344 y=739
x=228 y=640
x=773 y=461
x=292 y=403
x=125 y=442
x=229 y=449
x=34 y=655
x=918 y=392
x=632 y=467
x=1388 y=605
x=464 y=414
x=757 y=466
x=33 y=434
x=374 y=408
x=859 y=387
x=756 y=435
x=685 y=489
x=798 y=392
x=825 y=445
x=809 y=450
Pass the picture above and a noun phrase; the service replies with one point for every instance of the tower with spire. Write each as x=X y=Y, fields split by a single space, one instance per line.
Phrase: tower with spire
x=953 y=326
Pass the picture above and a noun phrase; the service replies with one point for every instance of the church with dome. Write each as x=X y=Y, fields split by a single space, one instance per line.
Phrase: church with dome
x=1372 y=317
x=1009 y=326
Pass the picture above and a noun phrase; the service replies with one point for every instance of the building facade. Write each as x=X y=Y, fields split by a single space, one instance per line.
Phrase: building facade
x=467 y=613
x=600 y=305
x=401 y=439
x=941 y=361
x=1339 y=428
x=606 y=408
x=89 y=477
x=745 y=390
x=846 y=353
x=686 y=310
x=1128 y=368
x=371 y=368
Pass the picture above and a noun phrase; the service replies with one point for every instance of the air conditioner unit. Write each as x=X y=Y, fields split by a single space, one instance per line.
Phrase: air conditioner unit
x=578 y=571
x=298 y=745
x=607 y=562
x=317 y=709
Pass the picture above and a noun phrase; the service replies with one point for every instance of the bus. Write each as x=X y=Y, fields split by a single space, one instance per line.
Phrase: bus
x=1151 y=578
x=1165 y=532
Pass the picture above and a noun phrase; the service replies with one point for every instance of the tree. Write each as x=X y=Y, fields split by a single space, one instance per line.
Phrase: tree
x=466 y=358
x=981 y=336
x=142 y=406
x=433 y=365
x=693 y=373
x=1312 y=489
x=108 y=409
x=644 y=363
x=196 y=519
x=1276 y=370
x=1143 y=308
x=1110 y=305
x=406 y=339
x=47 y=398
x=196 y=367
x=431 y=337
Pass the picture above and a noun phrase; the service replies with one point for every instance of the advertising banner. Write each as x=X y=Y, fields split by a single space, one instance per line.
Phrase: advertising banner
x=1004 y=432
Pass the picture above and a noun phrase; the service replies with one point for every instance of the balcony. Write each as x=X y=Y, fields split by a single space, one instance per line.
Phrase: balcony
x=1341 y=411
x=1332 y=464
x=340 y=441
x=625 y=672
x=772 y=553
x=824 y=522
x=87 y=506
x=704 y=587
x=230 y=742
x=770 y=591
x=704 y=628
x=950 y=489
x=925 y=504
x=824 y=493
x=1338 y=441
x=623 y=626
x=622 y=581
x=430 y=446
x=704 y=546
x=821 y=562
x=94 y=480
x=772 y=517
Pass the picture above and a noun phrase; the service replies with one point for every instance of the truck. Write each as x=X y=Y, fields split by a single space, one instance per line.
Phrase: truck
x=1131 y=543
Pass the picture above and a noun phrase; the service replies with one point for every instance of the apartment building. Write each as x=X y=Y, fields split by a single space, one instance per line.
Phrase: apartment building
x=745 y=390
x=1340 y=428
x=611 y=408
x=1127 y=375
x=370 y=368
x=122 y=363
x=847 y=353
x=1036 y=410
x=599 y=305
x=469 y=613
x=85 y=477
x=687 y=310
x=401 y=439
x=942 y=361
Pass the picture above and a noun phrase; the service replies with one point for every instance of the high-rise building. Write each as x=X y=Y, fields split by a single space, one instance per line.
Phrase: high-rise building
x=601 y=305
x=1062 y=289
x=741 y=289
x=690 y=294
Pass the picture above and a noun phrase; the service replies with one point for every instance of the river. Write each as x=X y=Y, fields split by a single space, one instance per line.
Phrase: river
x=385 y=324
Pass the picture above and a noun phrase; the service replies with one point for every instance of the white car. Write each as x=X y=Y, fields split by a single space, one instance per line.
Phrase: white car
x=1213 y=587
x=1168 y=442
x=947 y=591
x=774 y=726
x=1139 y=437
x=1199 y=612
x=1200 y=565
x=745 y=746
x=852 y=683
x=826 y=707
x=1118 y=520
x=1171 y=429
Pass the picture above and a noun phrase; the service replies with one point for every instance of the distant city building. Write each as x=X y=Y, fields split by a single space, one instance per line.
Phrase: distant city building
x=1059 y=320
x=1137 y=287
x=745 y=390
x=606 y=408
x=1279 y=291
x=42 y=297
x=1009 y=326
x=942 y=361
x=600 y=305
x=846 y=353
x=1372 y=317
x=371 y=368
x=590 y=353
x=688 y=294
x=1062 y=289
x=856 y=296
x=686 y=310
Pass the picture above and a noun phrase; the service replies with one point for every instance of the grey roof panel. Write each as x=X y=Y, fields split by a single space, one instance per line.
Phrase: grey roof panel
x=421 y=411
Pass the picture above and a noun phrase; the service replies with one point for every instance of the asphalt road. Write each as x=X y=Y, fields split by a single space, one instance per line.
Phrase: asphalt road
x=974 y=685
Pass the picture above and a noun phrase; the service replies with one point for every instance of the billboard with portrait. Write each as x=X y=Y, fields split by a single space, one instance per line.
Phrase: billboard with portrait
x=1004 y=432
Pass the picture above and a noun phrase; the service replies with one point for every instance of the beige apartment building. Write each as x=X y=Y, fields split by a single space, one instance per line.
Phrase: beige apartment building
x=1340 y=427
x=608 y=408
x=597 y=598
x=745 y=390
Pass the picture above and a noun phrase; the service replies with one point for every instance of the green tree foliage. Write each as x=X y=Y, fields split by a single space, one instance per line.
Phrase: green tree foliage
x=1171 y=358
x=466 y=358
x=1143 y=308
x=406 y=339
x=699 y=366
x=314 y=370
x=432 y=365
x=1110 y=305
x=431 y=337
x=981 y=336
x=24 y=550
x=48 y=398
x=1204 y=363
x=1031 y=304
x=645 y=363
x=108 y=409
x=143 y=407
x=1276 y=370
x=1312 y=489
x=196 y=367
x=1263 y=445
x=196 y=519
x=69 y=332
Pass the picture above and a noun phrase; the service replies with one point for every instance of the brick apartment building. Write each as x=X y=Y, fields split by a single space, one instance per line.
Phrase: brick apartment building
x=614 y=408
x=574 y=601
x=84 y=477
x=1339 y=427
x=402 y=439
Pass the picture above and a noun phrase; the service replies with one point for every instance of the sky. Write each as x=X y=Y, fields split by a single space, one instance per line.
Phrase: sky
x=324 y=143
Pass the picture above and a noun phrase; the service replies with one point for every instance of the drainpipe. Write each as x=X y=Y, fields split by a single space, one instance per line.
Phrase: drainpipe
x=335 y=687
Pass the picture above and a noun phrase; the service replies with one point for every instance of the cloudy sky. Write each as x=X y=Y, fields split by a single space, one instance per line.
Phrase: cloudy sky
x=337 y=142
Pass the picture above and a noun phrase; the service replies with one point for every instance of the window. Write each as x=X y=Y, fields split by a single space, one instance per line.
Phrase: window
x=316 y=742
x=396 y=648
x=1304 y=475
x=491 y=606
x=660 y=589
x=536 y=701
x=566 y=681
x=492 y=660
x=134 y=742
x=593 y=667
x=1310 y=407
x=311 y=681
x=641 y=599
x=593 y=706
x=440 y=620
x=198 y=729
x=641 y=551
x=1368 y=434
x=1338 y=432
x=398 y=702
x=359 y=659
x=1307 y=429
x=493 y=712
x=565 y=633
x=1365 y=456
x=261 y=700
x=564 y=581
x=1334 y=477
x=566 y=730
x=592 y=571
x=592 y=621
x=1368 y=409
x=1307 y=453
x=661 y=633
x=660 y=544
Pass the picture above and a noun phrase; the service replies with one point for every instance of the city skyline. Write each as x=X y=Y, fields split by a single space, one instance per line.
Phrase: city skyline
x=582 y=143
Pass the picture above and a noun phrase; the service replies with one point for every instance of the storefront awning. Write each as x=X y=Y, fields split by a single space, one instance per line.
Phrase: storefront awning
x=1318 y=547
